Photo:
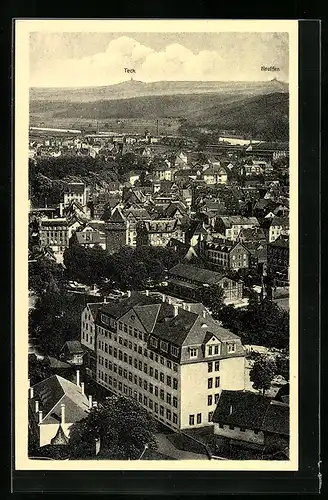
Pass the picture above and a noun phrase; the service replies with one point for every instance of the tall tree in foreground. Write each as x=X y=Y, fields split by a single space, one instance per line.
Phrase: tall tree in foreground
x=262 y=374
x=120 y=425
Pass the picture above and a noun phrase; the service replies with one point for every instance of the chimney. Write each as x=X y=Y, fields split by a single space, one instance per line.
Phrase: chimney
x=129 y=293
x=105 y=300
x=36 y=406
x=204 y=313
x=97 y=446
x=40 y=416
x=163 y=298
x=169 y=300
x=184 y=305
x=94 y=404
x=90 y=400
x=82 y=387
x=176 y=309
x=147 y=293
x=62 y=414
x=31 y=390
x=78 y=377
x=189 y=307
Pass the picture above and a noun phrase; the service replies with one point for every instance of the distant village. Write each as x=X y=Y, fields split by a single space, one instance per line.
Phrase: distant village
x=221 y=212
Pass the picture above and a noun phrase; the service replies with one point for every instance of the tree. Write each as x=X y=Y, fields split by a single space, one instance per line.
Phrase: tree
x=282 y=366
x=38 y=370
x=212 y=297
x=55 y=319
x=42 y=272
x=122 y=426
x=262 y=373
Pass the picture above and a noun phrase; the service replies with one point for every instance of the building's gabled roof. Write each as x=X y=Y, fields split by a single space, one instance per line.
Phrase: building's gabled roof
x=57 y=364
x=250 y=234
x=118 y=309
x=174 y=207
x=252 y=411
x=91 y=237
x=75 y=188
x=94 y=308
x=55 y=391
x=282 y=242
x=231 y=220
x=203 y=276
x=148 y=315
x=73 y=346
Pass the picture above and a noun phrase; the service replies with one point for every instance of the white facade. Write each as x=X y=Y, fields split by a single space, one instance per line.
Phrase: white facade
x=179 y=393
x=276 y=231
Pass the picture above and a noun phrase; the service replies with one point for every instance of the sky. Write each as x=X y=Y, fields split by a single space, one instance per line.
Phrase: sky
x=92 y=59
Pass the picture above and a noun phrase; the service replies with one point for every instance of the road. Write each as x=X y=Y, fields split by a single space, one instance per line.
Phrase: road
x=283 y=303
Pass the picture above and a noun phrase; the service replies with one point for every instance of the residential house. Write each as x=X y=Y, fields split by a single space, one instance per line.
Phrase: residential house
x=158 y=232
x=187 y=281
x=88 y=338
x=230 y=226
x=56 y=233
x=275 y=226
x=54 y=405
x=164 y=172
x=254 y=167
x=278 y=260
x=215 y=174
x=89 y=237
x=154 y=352
x=75 y=191
x=72 y=352
x=225 y=254
x=246 y=424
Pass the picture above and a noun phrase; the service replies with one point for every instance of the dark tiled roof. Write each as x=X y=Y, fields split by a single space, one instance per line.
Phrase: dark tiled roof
x=75 y=187
x=118 y=309
x=281 y=242
x=74 y=346
x=196 y=274
x=252 y=411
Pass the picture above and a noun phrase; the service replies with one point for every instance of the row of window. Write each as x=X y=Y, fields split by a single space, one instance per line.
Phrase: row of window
x=108 y=348
x=145 y=400
x=170 y=382
x=242 y=429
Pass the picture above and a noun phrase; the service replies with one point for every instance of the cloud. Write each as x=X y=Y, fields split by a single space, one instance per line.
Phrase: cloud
x=174 y=62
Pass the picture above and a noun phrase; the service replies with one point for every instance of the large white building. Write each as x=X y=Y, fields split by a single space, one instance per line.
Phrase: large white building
x=175 y=362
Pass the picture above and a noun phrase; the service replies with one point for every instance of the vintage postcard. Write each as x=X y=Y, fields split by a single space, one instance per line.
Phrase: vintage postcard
x=156 y=245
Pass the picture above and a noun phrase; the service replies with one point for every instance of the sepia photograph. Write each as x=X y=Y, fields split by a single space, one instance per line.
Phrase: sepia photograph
x=156 y=264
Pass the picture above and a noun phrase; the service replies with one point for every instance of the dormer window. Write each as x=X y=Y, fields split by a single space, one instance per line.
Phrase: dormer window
x=164 y=346
x=213 y=350
x=153 y=342
x=231 y=347
x=193 y=352
x=104 y=319
x=174 y=351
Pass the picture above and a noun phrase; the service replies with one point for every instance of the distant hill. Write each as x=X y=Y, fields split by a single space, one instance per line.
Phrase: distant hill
x=134 y=88
x=196 y=108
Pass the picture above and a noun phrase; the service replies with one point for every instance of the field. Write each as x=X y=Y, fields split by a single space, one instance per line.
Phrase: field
x=167 y=126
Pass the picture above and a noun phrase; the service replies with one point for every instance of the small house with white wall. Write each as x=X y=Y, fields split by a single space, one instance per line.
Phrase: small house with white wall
x=55 y=404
